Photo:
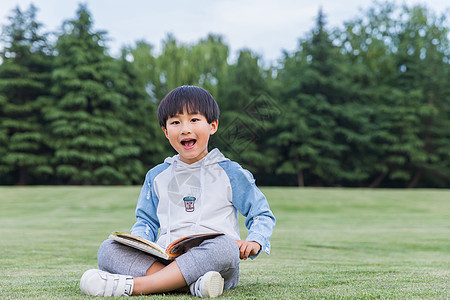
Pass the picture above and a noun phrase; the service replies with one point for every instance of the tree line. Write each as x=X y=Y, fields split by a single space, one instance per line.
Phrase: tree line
x=365 y=105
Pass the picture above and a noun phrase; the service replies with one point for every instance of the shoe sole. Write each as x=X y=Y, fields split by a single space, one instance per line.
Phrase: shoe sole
x=214 y=287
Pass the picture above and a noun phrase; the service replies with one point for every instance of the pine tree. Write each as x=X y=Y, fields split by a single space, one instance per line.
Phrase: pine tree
x=247 y=112
x=318 y=121
x=400 y=54
x=142 y=144
x=423 y=59
x=24 y=80
x=84 y=120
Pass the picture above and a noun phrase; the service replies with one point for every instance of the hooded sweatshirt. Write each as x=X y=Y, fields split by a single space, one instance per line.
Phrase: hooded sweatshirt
x=179 y=199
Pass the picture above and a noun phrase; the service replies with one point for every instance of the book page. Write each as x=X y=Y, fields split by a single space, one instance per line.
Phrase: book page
x=182 y=245
x=139 y=239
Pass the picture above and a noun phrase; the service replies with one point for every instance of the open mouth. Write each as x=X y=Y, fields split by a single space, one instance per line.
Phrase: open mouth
x=188 y=143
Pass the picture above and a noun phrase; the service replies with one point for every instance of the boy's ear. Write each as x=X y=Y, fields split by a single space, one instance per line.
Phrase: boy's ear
x=165 y=131
x=213 y=127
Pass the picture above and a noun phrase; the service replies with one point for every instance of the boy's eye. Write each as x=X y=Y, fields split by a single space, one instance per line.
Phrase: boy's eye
x=195 y=120
x=174 y=122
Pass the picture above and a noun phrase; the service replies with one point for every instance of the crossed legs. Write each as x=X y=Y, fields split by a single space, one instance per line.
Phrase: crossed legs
x=151 y=276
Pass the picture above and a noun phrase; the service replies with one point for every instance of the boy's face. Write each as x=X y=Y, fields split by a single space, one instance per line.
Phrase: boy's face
x=189 y=135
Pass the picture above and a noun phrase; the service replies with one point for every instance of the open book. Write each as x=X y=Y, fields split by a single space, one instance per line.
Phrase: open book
x=175 y=249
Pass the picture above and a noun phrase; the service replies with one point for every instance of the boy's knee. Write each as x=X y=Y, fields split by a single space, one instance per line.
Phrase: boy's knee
x=220 y=254
x=104 y=254
x=228 y=250
x=117 y=258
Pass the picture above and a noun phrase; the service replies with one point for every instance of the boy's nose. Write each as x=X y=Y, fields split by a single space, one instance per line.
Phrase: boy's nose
x=186 y=128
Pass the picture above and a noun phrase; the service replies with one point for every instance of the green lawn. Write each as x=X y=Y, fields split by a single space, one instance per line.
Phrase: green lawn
x=328 y=243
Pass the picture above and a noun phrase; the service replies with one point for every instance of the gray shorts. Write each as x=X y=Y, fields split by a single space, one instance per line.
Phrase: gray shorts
x=220 y=254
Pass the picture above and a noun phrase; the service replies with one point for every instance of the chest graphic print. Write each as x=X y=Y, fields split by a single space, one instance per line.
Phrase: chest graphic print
x=189 y=203
x=184 y=190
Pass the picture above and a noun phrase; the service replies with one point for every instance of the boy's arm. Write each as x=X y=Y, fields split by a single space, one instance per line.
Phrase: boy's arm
x=253 y=205
x=260 y=220
x=147 y=224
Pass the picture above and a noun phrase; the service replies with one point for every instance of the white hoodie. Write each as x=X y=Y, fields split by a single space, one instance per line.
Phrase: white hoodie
x=179 y=199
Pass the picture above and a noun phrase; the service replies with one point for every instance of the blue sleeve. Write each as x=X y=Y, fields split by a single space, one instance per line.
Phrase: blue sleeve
x=252 y=204
x=147 y=223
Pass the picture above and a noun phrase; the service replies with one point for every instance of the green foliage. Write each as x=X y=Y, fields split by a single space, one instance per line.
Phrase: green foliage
x=405 y=53
x=363 y=105
x=243 y=96
x=141 y=145
x=91 y=138
x=202 y=64
x=321 y=124
x=24 y=80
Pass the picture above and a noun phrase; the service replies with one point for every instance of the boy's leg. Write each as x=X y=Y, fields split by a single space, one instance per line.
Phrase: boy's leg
x=220 y=254
x=116 y=258
x=128 y=262
x=167 y=279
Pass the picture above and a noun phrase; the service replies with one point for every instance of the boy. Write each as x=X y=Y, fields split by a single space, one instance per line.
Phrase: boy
x=192 y=192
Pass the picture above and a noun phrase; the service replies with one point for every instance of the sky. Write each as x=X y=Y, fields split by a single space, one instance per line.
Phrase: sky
x=267 y=27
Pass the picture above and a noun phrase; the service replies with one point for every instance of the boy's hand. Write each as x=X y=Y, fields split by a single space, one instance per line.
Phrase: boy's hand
x=247 y=249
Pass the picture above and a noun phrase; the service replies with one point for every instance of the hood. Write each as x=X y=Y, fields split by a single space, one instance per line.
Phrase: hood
x=213 y=157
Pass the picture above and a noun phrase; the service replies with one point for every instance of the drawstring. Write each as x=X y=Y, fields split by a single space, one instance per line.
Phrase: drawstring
x=202 y=192
x=172 y=176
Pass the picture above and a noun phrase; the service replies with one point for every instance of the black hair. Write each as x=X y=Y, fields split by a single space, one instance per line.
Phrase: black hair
x=193 y=99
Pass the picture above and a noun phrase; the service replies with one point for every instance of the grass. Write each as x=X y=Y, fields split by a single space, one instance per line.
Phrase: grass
x=328 y=243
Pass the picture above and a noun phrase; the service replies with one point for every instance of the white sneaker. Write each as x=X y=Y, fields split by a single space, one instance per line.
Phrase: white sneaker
x=95 y=282
x=209 y=285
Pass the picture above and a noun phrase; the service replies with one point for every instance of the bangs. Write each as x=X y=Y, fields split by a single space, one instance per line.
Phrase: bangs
x=176 y=107
x=190 y=99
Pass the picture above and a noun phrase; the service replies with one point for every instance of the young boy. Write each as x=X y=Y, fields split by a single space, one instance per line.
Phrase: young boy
x=192 y=192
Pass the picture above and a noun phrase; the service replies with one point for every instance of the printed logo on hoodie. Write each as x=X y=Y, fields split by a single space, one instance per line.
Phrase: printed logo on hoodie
x=189 y=204
x=184 y=190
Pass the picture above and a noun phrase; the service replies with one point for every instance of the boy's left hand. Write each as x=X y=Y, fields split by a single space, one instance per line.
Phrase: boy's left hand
x=247 y=249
